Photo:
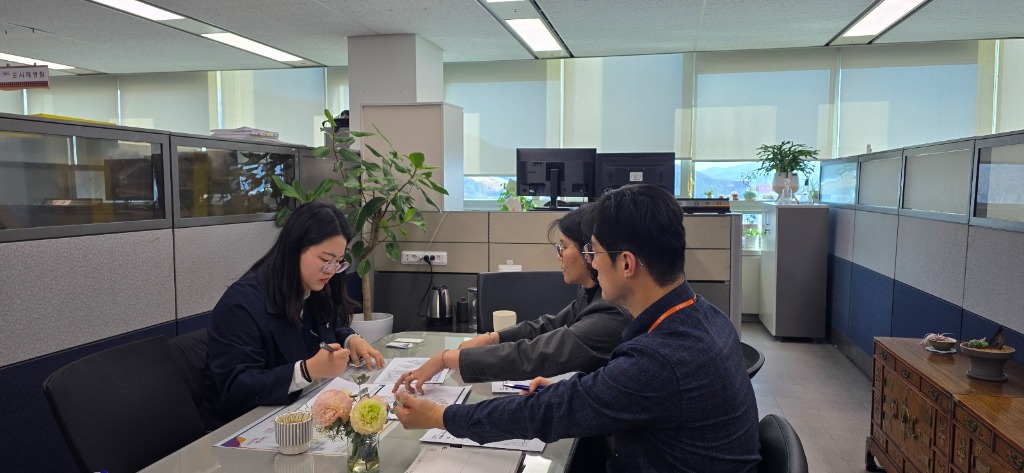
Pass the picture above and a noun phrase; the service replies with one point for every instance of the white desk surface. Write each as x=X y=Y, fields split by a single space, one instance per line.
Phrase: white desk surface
x=397 y=449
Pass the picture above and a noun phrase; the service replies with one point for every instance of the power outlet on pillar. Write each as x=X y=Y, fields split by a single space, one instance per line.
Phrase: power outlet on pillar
x=436 y=258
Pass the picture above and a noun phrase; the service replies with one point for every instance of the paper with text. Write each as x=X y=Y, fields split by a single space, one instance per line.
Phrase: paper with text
x=438 y=459
x=442 y=436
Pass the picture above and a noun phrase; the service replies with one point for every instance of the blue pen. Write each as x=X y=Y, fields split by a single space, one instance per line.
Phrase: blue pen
x=521 y=387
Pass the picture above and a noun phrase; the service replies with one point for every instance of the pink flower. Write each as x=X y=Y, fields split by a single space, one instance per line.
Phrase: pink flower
x=332 y=405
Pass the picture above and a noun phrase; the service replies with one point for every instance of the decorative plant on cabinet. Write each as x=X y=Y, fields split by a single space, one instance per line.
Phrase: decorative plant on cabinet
x=379 y=197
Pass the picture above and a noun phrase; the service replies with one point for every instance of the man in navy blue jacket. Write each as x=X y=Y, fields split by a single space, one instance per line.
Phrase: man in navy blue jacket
x=675 y=394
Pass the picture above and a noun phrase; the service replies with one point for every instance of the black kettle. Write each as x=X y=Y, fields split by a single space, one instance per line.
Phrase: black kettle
x=439 y=306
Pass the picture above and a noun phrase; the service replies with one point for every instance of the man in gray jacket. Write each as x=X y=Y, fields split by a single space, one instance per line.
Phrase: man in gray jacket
x=579 y=338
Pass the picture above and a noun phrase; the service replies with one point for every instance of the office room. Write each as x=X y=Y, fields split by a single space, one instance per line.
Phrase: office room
x=140 y=142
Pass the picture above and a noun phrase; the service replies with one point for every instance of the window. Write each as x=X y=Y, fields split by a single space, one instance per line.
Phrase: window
x=220 y=181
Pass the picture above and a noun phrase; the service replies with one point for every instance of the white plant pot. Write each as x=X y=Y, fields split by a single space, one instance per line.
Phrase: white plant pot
x=751 y=242
x=779 y=182
x=375 y=329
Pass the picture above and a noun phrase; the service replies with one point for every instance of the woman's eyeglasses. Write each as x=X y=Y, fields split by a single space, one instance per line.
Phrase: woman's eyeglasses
x=588 y=252
x=559 y=248
x=334 y=267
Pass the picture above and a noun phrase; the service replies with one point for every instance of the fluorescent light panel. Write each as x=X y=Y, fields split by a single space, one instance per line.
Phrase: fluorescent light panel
x=535 y=34
x=32 y=62
x=882 y=17
x=247 y=44
x=144 y=10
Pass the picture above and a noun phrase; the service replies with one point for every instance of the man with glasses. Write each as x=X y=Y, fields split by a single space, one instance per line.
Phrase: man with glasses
x=675 y=394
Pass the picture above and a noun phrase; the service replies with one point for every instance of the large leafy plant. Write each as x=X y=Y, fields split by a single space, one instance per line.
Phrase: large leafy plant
x=379 y=196
x=785 y=157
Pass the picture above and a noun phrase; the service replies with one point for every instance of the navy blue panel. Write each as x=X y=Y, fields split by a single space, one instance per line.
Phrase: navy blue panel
x=41 y=447
x=194 y=322
x=976 y=326
x=838 y=298
x=916 y=313
x=870 y=306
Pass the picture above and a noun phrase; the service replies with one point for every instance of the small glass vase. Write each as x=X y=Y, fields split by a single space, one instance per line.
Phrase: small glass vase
x=364 y=453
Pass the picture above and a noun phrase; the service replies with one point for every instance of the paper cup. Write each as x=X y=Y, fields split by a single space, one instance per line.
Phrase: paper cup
x=293 y=432
x=503 y=319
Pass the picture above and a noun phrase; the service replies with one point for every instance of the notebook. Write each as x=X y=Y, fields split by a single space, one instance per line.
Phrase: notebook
x=445 y=459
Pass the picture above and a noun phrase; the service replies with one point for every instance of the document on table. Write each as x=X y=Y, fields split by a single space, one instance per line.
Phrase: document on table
x=398 y=366
x=259 y=435
x=441 y=395
x=498 y=387
x=439 y=459
x=442 y=436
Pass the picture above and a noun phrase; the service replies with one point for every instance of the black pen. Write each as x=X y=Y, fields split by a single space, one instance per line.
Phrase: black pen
x=328 y=347
x=521 y=387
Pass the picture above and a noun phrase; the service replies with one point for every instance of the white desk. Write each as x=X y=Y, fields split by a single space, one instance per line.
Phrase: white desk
x=397 y=449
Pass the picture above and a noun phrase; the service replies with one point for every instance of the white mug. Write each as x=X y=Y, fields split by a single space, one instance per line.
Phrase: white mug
x=503 y=319
x=293 y=431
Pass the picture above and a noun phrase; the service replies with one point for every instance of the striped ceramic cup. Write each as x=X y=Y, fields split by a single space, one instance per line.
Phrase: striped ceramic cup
x=293 y=432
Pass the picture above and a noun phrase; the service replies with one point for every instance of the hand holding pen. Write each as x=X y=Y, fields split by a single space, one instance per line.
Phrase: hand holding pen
x=535 y=385
x=328 y=362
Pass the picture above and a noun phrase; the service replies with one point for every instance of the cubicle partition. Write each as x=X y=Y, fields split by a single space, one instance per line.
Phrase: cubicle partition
x=930 y=239
x=109 y=235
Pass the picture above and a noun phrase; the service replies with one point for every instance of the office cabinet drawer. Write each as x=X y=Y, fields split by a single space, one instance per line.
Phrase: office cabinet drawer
x=938 y=396
x=908 y=374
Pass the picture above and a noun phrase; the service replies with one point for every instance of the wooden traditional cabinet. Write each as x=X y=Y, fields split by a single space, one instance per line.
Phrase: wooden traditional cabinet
x=928 y=416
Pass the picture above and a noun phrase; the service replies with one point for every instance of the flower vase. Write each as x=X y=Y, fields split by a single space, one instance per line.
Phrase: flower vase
x=364 y=453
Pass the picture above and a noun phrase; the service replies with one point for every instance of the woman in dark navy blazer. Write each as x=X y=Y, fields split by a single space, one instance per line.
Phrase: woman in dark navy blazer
x=266 y=331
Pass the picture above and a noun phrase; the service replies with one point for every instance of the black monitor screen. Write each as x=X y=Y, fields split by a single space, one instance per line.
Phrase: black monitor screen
x=571 y=169
x=129 y=179
x=614 y=170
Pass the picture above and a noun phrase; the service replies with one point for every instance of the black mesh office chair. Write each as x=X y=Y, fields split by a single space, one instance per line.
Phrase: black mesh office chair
x=530 y=294
x=124 y=408
x=781 y=450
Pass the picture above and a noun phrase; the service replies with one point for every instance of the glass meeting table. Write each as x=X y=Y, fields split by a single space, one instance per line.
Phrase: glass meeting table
x=398 y=447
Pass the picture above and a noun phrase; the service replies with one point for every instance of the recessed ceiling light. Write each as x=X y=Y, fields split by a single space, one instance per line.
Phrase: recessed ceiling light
x=535 y=34
x=144 y=10
x=31 y=62
x=247 y=44
x=882 y=17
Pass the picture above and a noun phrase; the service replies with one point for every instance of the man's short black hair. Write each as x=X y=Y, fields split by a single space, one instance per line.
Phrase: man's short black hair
x=645 y=220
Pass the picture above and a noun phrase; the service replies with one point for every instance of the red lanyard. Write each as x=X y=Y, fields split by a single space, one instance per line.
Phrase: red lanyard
x=671 y=311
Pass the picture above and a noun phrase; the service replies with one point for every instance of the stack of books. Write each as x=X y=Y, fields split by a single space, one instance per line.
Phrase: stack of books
x=245 y=133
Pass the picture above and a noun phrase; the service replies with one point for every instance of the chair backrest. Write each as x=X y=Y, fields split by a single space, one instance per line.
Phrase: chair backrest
x=189 y=351
x=781 y=450
x=530 y=294
x=754 y=359
x=123 y=408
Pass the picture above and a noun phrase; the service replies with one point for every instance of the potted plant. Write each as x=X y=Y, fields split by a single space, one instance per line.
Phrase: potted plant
x=751 y=237
x=786 y=160
x=987 y=357
x=508 y=191
x=379 y=197
x=709 y=193
x=748 y=181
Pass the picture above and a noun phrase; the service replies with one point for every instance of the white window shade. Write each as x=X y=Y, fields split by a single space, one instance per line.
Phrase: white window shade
x=625 y=104
x=1010 y=89
x=337 y=89
x=902 y=95
x=507 y=105
x=88 y=97
x=288 y=101
x=183 y=102
x=749 y=98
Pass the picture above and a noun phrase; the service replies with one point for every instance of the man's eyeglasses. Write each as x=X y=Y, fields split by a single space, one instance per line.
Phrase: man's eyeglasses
x=559 y=248
x=334 y=267
x=588 y=252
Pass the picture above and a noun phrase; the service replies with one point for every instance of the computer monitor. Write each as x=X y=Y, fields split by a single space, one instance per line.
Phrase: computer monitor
x=129 y=179
x=614 y=170
x=555 y=172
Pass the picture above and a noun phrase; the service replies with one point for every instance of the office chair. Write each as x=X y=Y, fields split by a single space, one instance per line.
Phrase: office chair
x=189 y=351
x=781 y=450
x=123 y=408
x=529 y=293
x=754 y=359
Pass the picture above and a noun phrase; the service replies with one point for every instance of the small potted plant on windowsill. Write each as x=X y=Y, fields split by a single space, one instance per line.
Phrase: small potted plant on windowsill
x=748 y=181
x=987 y=357
x=751 y=238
